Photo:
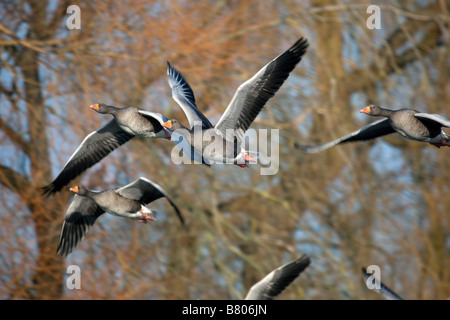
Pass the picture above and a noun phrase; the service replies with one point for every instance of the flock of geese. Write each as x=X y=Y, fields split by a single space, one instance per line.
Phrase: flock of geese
x=223 y=146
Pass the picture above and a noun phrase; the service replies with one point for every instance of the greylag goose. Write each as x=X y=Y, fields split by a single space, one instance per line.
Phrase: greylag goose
x=410 y=124
x=128 y=201
x=387 y=293
x=277 y=280
x=127 y=123
x=222 y=143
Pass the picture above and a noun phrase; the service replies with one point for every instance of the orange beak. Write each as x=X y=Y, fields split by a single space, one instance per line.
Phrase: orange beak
x=74 y=189
x=167 y=124
x=365 y=110
x=94 y=106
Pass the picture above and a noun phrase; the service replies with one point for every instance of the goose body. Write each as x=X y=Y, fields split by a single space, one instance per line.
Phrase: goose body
x=127 y=123
x=129 y=202
x=135 y=121
x=409 y=123
x=210 y=145
x=222 y=143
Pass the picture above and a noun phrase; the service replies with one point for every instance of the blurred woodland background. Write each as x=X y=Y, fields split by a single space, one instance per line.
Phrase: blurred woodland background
x=384 y=202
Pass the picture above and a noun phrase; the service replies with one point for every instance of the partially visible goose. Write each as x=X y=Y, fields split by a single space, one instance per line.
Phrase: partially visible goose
x=277 y=280
x=127 y=123
x=410 y=124
x=387 y=293
x=128 y=201
x=222 y=143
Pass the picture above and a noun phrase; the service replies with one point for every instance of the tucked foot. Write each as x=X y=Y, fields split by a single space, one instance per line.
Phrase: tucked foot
x=443 y=143
x=145 y=217
x=249 y=159
x=437 y=145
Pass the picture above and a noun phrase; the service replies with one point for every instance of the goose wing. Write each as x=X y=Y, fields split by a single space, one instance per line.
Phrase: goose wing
x=80 y=216
x=146 y=191
x=374 y=130
x=252 y=95
x=184 y=96
x=277 y=280
x=156 y=119
x=440 y=120
x=96 y=146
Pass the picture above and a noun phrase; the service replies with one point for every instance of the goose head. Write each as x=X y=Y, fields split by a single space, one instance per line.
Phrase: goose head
x=80 y=190
x=372 y=110
x=101 y=108
x=173 y=125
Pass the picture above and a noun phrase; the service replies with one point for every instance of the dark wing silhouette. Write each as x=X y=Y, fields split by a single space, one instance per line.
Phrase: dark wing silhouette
x=80 y=215
x=374 y=130
x=384 y=290
x=252 y=95
x=184 y=96
x=96 y=146
x=277 y=280
x=156 y=119
x=146 y=191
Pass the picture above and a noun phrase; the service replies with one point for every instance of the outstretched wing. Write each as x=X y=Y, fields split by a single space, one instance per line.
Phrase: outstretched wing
x=252 y=95
x=96 y=146
x=277 y=280
x=80 y=216
x=374 y=130
x=184 y=96
x=146 y=191
x=444 y=122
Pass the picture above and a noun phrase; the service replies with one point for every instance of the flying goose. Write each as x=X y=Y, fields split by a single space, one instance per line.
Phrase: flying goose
x=184 y=96
x=387 y=293
x=277 y=280
x=410 y=124
x=129 y=201
x=222 y=143
x=127 y=123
